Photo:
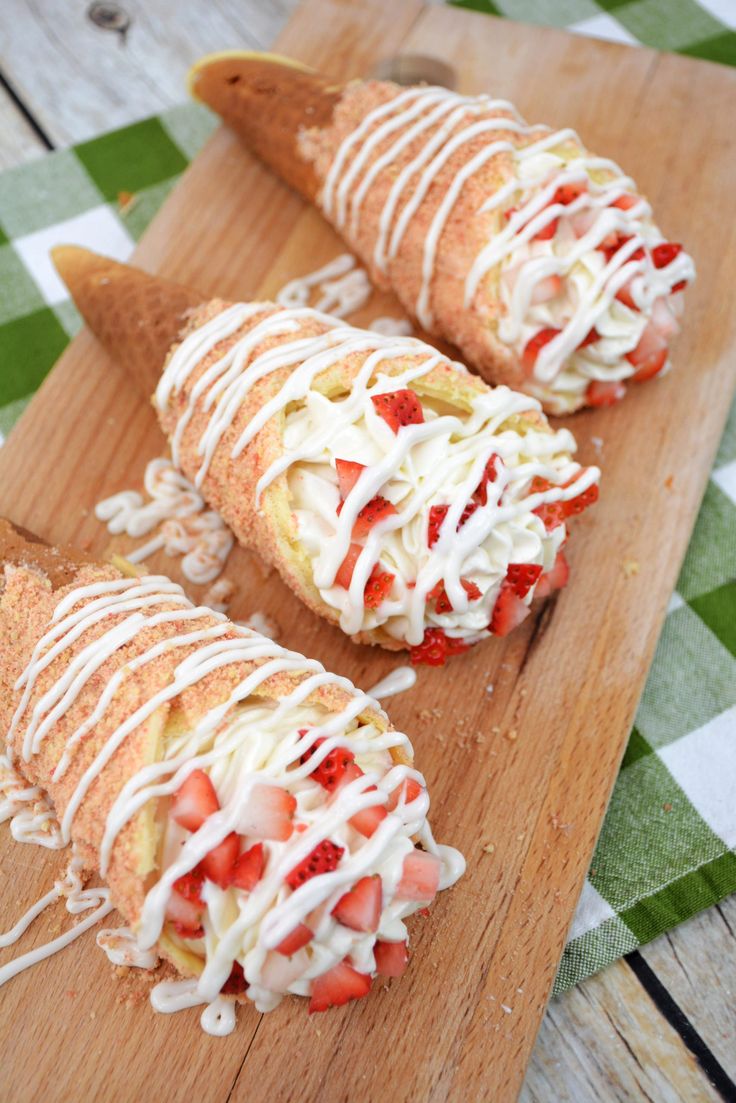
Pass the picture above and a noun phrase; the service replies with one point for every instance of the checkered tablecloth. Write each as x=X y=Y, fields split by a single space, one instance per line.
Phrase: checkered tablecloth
x=668 y=842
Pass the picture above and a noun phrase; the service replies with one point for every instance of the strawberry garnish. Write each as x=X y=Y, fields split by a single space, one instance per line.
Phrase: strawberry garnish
x=436 y=647
x=624 y=296
x=613 y=242
x=294 y=941
x=360 y=909
x=664 y=254
x=194 y=801
x=331 y=769
x=548 y=231
x=508 y=612
x=185 y=913
x=522 y=576
x=338 y=986
x=189 y=885
x=592 y=336
x=408 y=791
x=398 y=408
x=651 y=367
x=437 y=516
x=367 y=820
x=420 y=877
x=344 y=574
x=625 y=202
x=555 y=578
x=248 y=869
x=378 y=509
x=533 y=346
x=348 y=473
x=217 y=866
x=323 y=859
x=581 y=501
x=552 y=514
x=184 y=930
x=679 y=286
x=377 y=587
x=391 y=958
x=568 y=193
x=650 y=355
x=490 y=474
x=442 y=603
x=600 y=393
x=236 y=983
x=268 y=813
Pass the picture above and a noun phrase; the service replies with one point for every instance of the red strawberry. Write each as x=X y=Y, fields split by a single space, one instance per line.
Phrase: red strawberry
x=185 y=915
x=344 y=574
x=190 y=886
x=538 y=485
x=378 y=509
x=377 y=587
x=442 y=604
x=194 y=801
x=552 y=514
x=555 y=578
x=437 y=516
x=399 y=408
x=650 y=367
x=664 y=254
x=548 y=231
x=592 y=337
x=508 y=612
x=624 y=296
x=649 y=356
x=367 y=820
x=613 y=242
x=490 y=474
x=604 y=394
x=185 y=931
x=420 y=877
x=360 y=909
x=323 y=859
x=338 y=986
x=236 y=983
x=408 y=791
x=522 y=576
x=392 y=958
x=348 y=473
x=581 y=501
x=568 y=193
x=533 y=346
x=269 y=813
x=679 y=286
x=248 y=869
x=218 y=865
x=436 y=647
x=331 y=769
x=625 y=202
x=299 y=937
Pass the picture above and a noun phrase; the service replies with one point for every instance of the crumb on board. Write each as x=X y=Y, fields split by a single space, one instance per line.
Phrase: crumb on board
x=489 y=848
x=630 y=567
x=669 y=482
x=512 y=735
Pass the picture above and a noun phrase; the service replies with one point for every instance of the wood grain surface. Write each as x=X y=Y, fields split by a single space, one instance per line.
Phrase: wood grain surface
x=507 y=768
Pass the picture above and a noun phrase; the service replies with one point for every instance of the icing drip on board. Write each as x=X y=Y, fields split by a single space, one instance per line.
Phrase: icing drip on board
x=341 y=288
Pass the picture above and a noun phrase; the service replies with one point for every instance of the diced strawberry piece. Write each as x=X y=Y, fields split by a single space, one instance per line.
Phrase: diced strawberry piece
x=508 y=612
x=391 y=958
x=552 y=514
x=348 y=473
x=248 y=869
x=490 y=474
x=278 y=972
x=408 y=791
x=538 y=485
x=436 y=647
x=185 y=914
x=294 y=941
x=437 y=516
x=268 y=813
x=522 y=576
x=344 y=574
x=650 y=367
x=338 y=986
x=194 y=801
x=378 y=509
x=323 y=859
x=548 y=231
x=332 y=769
x=534 y=345
x=186 y=931
x=624 y=296
x=613 y=242
x=360 y=908
x=218 y=865
x=420 y=877
x=555 y=578
x=399 y=408
x=625 y=202
x=546 y=289
x=664 y=254
x=442 y=603
x=592 y=336
x=367 y=820
x=650 y=355
x=190 y=886
x=568 y=193
x=600 y=393
x=236 y=983
x=581 y=501
x=377 y=587
x=679 y=286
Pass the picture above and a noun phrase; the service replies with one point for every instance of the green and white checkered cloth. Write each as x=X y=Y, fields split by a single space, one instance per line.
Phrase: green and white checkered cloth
x=668 y=844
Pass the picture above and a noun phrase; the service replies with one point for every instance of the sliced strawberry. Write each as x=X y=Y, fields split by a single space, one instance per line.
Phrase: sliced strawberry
x=552 y=514
x=248 y=869
x=218 y=865
x=391 y=958
x=408 y=791
x=184 y=930
x=650 y=355
x=613 y=242
x=190 y=886
x=555 y=578
x=592 y=336
x=651 y=367
x=323 y=859
x=436 y=647
x=420 y=877
x=625 y=202
x=331 y=770
x=399 y=408
x=236 y=983
x=348 y=473
x=442 y=603
x=546 y=289
x=624 y=296
x=278 y=972
x=568 y=193
x=194 y=801
x=534 y=345
x=344 y=574
x=294 y=941
x=490 y=474
x=360 y=908
x=268 y=813
x=548 y=231
x=378 y=509
x=664 y=254
x=185 y=915
x=600 y=393
x=367 y=820
x=378 y=587
x=522 y=576
x=437 y=516
x=679 y=286
x=581 y=501
x=338 y=986
x=508 y=612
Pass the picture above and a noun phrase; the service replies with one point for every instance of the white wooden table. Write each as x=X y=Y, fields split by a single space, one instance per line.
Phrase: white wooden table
x=659 y=1025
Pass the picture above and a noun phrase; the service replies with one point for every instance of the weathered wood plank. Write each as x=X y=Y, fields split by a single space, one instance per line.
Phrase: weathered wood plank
x=18 y=140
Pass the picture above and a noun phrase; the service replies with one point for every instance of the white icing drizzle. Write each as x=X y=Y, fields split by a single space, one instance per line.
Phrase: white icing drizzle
x=121 y=948
x=170 y=996
x=261 y=623
x=187 y=529
x=392 y=327
x=342 y=288
x=398 y=681
x=562 y=281
x=32 y=819
x=242 y=742
x=438 y=462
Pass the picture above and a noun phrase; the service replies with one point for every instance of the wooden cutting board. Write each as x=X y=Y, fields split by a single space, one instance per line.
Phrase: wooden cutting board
x=520 y=775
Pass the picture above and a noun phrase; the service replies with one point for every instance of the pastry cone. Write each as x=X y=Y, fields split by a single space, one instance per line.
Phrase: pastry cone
x=539 y=260
x=399 y=496
x=253 y=815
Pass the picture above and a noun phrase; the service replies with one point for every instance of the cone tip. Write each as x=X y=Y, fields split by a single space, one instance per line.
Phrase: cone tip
x=209 y=60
